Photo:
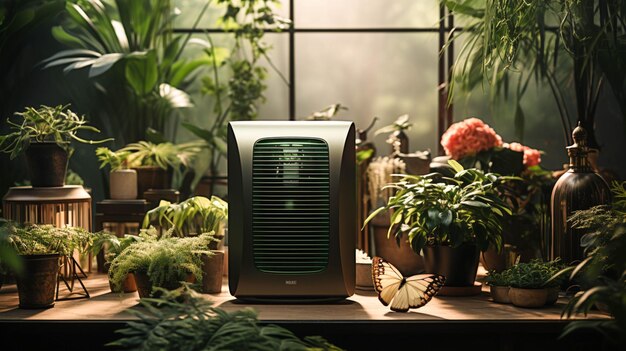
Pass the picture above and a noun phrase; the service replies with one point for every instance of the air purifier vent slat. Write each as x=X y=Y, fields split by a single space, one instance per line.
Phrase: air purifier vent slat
x=290 y=205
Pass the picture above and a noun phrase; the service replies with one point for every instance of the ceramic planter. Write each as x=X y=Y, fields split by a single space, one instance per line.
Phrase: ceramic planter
x=212 y=272
x=402 y=257
x=47 y=164
x=37 y=285
x=128 y=286
x=364 y=276
x=553 y=295
x=123 y=184
x=152 y=177
x=458 y=264
x=500 y=294
x=529 y=298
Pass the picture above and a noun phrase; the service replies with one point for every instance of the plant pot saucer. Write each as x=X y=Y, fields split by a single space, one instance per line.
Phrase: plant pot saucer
x=472 y=290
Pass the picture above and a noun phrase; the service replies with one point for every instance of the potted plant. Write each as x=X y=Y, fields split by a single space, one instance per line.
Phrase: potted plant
x=499 y=285
x=398 y=139
x=112 y=246
x=157 y=164
x=531 y=283
x=40 y=247
x=193 y=217
x=473 y=143
x=122 y=180
x=450 y=219
x=163 y=262
x=44 y=135
x=398 y=252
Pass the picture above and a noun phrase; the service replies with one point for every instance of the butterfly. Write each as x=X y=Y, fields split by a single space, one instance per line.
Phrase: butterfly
x=403 y=293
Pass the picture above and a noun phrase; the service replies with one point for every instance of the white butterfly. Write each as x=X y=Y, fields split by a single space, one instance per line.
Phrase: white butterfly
x=403 y=293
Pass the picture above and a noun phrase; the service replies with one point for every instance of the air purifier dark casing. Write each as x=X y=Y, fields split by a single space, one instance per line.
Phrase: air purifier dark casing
x=292 y=210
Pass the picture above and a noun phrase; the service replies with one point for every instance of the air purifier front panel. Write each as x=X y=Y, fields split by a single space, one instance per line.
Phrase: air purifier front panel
x=292 y=209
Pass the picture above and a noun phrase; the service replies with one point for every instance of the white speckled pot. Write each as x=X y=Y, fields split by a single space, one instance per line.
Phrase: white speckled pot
x=123 y=184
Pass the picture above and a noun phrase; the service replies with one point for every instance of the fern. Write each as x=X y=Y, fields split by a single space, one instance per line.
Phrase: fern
x=36 y=239
x=183 y=320
x=166 y=261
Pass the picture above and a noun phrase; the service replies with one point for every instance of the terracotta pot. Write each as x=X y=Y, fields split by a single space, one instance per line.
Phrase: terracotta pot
x=553 y=295
x=500 y=294
x=364 y=276
x=402 y=257
x=47 y=164
x=123 y=184
x=145 y=286
x=212 y=272
x=37 y=285
x=492 y=260
x=129 y=285
x=458 y=264
x=529 y=298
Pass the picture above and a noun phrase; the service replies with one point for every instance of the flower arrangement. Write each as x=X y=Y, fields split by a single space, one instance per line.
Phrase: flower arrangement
x=472 y=142
x=469 y=137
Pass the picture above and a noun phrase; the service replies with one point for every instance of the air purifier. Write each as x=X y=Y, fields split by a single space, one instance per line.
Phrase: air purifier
x=292 y=210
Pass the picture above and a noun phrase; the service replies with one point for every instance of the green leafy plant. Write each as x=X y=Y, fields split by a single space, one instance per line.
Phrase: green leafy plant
x=46 y=124
x=183 y=320
x=134 y=59
x=508 y=43
x=191 y=217
x=166 y=261
x=602 y=274
x=112 y=244
x=400 y=124
x=117 y=160
x=535 y=274
x=499 y=278
x=436 y=210
x=163 y=155
x=46 y=239
x=235 y=79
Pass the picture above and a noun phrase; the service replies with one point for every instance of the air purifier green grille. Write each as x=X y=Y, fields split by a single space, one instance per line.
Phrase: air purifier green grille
x=290 y=205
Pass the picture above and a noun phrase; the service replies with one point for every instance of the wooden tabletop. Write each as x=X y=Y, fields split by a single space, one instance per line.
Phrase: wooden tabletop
x=363 y=306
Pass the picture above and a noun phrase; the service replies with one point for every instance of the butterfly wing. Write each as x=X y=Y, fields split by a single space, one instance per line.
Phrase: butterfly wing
x=387 y=280
x=422 y=288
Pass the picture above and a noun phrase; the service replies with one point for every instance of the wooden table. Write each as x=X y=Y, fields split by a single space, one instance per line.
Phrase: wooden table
x=359 y=322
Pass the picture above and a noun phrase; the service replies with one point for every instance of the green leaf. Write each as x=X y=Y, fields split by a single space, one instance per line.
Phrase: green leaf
x=474 y=203
x=142 y=73
x=455 y=165
x=104 y=63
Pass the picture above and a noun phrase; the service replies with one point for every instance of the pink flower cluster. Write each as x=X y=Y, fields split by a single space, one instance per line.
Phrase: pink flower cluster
x=532 y=157
x=469 y=137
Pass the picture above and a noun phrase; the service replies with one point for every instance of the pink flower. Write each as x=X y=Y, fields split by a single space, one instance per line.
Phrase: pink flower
x=532 y=157
x=469 y=137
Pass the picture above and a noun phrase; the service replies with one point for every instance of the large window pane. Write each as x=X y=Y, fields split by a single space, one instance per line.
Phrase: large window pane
x=190 y=9
x=384 y=75
x=365 y=14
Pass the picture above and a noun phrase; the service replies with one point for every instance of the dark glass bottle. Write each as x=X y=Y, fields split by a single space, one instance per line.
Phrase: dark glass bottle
x=579 y=188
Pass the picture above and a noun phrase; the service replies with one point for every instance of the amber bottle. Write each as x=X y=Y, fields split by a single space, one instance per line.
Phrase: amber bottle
x=579 y=188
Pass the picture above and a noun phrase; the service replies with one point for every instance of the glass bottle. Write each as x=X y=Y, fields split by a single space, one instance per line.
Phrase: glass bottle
x=579 y=188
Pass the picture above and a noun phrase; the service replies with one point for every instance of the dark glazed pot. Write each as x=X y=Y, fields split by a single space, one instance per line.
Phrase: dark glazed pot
x=152 y=177
x=458 y=264
x=37 y=285
x=47 y=164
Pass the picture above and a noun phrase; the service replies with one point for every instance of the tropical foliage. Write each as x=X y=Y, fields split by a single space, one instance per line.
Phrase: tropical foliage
x=117 y=160
x=191 y=217
x=436 y=210
x=57 y=124
x=133 y=58
x=508 y=43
